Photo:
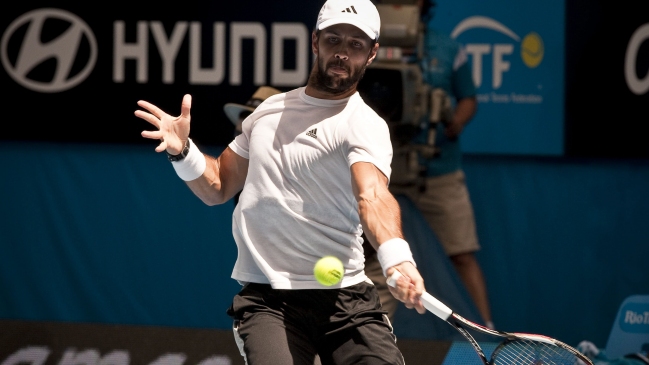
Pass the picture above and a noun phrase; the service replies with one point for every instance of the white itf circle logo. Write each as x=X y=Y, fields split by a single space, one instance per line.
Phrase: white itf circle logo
x=23 y=50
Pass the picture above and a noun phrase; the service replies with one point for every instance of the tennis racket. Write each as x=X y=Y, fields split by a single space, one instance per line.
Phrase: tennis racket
x=516 y=349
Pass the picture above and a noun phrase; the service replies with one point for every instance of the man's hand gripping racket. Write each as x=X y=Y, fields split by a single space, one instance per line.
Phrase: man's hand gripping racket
x=516 y=349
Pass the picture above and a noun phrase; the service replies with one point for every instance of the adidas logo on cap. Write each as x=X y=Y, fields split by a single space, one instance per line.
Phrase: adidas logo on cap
x=362 y=14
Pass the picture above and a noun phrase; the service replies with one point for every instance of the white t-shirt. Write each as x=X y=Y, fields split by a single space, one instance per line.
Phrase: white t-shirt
x=297 y=203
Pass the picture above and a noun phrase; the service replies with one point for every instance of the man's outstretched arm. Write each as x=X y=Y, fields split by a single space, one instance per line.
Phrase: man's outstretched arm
x=213 y=180
x=381 y=219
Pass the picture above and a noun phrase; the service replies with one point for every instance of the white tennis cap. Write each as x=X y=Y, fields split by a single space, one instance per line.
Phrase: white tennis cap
x=359 y=13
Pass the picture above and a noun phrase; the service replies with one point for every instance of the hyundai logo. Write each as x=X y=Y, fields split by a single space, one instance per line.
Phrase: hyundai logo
x=48 y=50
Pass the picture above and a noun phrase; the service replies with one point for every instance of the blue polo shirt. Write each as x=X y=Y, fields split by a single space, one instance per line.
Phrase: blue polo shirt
x=444 y=65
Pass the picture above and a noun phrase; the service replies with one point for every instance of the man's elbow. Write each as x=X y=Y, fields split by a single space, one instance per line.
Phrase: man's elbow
x=211 y=201
x=213 y=198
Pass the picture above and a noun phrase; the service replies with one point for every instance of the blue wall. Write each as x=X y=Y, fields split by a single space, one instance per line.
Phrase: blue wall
x=565 y=241
x=109 y=234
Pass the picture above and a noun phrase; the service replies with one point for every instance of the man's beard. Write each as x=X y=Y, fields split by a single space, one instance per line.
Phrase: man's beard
x=335 y=85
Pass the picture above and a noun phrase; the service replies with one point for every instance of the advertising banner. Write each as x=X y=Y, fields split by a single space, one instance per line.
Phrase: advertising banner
x=516 y=53
x=630 y=331
x=35 y=343
x=555 y=78
x=607 y=78
x=62 y=343
x=73 y=71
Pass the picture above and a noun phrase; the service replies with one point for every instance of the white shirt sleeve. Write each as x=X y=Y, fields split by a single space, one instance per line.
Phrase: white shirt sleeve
x=369 y=140
x=241 y=143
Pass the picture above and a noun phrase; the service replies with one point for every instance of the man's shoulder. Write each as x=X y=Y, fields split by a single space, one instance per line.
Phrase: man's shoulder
x=278 y=100
x=367 y=111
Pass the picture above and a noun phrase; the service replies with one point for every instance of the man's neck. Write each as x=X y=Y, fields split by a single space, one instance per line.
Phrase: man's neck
x=321 y=94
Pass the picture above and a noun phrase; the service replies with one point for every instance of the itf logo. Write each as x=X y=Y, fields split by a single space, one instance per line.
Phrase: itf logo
x=48 y=50
x=531 y=48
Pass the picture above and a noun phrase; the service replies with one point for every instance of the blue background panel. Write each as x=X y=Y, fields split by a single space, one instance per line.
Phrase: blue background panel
x=521 y=100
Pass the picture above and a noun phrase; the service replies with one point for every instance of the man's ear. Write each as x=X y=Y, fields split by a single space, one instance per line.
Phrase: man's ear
x=372 y=55
x=314 y=43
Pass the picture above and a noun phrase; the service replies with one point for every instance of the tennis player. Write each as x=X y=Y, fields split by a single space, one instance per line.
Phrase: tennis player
x=313 y=167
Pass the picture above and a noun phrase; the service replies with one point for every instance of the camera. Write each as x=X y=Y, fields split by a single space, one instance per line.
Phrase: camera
x=393 y=86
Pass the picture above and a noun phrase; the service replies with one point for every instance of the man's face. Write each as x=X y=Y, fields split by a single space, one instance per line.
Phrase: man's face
x=343 y=52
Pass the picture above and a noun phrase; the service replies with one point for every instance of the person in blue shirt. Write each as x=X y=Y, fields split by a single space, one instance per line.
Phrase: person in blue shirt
x=444 y=200
x=442 y=196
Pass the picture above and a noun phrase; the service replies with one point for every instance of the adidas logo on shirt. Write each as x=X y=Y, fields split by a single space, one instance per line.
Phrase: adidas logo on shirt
x=312 y=132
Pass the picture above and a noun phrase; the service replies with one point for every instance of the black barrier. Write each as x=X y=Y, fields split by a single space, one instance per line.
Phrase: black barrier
x=73 y=71
x=607 y=78
x=44 y=343
x=64 y=343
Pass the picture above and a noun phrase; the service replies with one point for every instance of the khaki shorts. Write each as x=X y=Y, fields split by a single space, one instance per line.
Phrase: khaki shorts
x=446 y=206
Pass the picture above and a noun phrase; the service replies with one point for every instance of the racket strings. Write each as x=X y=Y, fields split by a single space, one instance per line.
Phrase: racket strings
x=525 y=352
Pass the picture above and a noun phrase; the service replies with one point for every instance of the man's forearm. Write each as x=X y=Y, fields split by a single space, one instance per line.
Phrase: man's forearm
x=208 y=187
x=222 y=178
x=380 y=217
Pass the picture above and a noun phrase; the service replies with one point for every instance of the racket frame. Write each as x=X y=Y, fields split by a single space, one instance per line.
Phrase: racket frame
x=445 y=313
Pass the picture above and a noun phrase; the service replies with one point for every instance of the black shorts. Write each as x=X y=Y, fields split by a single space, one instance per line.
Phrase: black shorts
x=340 y=326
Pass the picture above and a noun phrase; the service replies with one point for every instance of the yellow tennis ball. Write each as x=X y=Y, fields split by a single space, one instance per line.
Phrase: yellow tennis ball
x=328 y=270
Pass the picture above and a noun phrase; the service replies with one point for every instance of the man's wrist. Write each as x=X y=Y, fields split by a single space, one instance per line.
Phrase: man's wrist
x=393 y=252
x=183 y=153
x=192 y=166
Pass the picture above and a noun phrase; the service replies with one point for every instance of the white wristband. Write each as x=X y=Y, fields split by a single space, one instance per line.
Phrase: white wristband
x=192 y=166
x=393 y=252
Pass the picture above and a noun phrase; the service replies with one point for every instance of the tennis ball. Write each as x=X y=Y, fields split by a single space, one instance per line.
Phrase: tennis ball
x=328 y=270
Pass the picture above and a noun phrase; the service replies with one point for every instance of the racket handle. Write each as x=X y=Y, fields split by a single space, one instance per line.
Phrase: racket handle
x=430 y=302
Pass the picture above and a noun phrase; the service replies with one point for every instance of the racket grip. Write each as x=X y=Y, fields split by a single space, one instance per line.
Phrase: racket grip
x=435 y=306
x=430 y=302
